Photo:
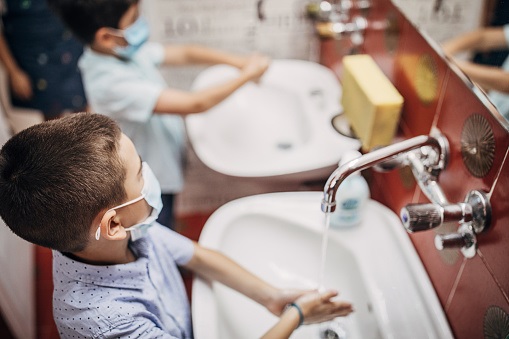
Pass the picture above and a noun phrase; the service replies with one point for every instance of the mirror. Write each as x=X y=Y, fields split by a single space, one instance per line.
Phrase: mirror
x=440 y=20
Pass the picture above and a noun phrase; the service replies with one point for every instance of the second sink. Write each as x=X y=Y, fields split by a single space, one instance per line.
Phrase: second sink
x=280 y=126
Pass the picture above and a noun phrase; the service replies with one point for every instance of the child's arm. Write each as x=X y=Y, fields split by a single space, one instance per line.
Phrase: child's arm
x=215 y=266
x=175 y=101
x=480 y=40
x=315 y=307
x=196 y=54
x=488 y=77
x=20 y=81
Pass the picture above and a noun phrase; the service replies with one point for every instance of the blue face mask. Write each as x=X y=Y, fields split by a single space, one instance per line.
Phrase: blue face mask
x=151 y=192
x=135 y=36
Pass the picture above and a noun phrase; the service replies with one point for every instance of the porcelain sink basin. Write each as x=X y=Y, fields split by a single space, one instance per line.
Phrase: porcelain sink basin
x=282 y=125
x=278 y=236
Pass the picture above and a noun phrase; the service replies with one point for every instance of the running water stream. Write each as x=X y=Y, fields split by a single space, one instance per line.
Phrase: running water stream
x=325 y=239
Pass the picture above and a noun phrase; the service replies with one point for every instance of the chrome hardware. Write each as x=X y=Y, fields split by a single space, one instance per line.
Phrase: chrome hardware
x=474 y=216
x=422 y=217
x=479 y=221
x=335 y=19
x=481 y=211
x=432 y=165
x=427 y=156
x=426 y=163
x=465 y=240
x=338 y=30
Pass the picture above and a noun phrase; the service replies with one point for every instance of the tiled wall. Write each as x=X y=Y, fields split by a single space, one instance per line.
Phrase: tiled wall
x=436 y=96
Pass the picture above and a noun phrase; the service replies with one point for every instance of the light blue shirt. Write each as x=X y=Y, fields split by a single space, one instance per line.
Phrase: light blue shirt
x=127 y=91
x=144 y=299
x=499 y=99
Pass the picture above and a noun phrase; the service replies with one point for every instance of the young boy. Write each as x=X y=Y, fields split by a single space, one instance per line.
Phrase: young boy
x=78 y=186
x=121 y=79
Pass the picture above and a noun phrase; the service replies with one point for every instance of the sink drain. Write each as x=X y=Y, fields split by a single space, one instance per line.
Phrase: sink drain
x=332 y=330
x=284 y=145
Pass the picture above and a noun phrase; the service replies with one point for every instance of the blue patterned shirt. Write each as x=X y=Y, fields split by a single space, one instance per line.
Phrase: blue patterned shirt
x=144 y=299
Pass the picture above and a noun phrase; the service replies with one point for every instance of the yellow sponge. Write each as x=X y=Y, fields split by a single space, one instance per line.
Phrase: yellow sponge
x=370 y=101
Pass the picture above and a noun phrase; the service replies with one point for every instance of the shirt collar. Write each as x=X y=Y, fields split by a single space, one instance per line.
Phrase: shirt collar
x=131 y=275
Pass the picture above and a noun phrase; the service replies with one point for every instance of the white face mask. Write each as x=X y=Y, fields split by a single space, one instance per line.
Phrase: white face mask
x=151 y=192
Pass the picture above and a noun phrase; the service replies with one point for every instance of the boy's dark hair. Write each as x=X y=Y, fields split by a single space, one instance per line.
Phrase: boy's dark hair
x=57 y=176
x=85 y=17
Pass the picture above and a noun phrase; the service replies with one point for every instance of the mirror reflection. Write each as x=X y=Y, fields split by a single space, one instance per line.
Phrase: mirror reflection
x=473 y=38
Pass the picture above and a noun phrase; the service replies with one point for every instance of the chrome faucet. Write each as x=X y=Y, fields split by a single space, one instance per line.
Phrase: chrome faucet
x=430 y=159
x=427 y=156
x=334 y=19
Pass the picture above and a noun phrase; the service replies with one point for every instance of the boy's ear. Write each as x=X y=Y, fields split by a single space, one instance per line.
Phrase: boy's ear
x=111 y=228
x=105 y=39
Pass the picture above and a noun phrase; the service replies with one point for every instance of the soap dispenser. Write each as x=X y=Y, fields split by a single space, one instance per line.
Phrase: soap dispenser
x=351 y=197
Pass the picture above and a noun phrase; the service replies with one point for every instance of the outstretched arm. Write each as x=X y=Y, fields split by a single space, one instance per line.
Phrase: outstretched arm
x=175 y=101
x=315 y=307
x=482 y=40
x=215 y=266
x=196 y=54
x=488 y=77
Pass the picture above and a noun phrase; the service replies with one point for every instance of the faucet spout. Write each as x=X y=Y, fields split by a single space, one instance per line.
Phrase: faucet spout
x=370 y=159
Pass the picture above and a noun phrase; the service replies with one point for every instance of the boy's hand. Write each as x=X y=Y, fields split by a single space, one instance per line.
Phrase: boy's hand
x=255 y=66
x=319 y=306
x=21 y=85
x=282 y=298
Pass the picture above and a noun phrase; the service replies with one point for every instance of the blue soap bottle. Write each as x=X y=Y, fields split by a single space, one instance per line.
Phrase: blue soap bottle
x=351 y=197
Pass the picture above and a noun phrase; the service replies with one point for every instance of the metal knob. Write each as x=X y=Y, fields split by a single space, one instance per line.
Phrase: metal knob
x=421 y=217
x=465 y=240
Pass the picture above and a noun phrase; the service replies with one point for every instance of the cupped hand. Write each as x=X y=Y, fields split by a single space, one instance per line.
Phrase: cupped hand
x=318 y=307
x=21 y=85
x=255 y=66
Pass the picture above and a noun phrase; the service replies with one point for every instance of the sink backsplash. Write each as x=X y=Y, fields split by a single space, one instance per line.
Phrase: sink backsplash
x=473 y=292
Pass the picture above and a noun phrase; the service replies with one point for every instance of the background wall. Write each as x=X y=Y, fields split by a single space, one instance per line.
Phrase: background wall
x=275 y=27
x=474 y=292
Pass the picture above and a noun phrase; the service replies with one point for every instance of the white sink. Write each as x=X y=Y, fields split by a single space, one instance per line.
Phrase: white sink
x=278 y=236
x=280 y=126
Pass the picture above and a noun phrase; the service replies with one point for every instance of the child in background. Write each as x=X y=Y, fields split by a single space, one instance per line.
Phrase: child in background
x=122 y=80
x=492 y=79
x=77 y=185
x=40 y=57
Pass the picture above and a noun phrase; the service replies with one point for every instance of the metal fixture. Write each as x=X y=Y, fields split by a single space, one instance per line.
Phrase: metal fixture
x=464 y=240
x=477 y=145
x=476 y=211
x=335 y=19
x=477 y=220
x=427 y=157
x=422 y=217
x=428 y=154
x=338 y=30
x=496 y=323
x=333 y=329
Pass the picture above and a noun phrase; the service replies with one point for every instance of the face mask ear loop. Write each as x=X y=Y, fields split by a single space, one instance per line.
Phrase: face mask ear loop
x=98 y=232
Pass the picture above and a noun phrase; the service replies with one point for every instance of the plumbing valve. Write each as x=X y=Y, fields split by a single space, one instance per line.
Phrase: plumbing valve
x=464 y=240
x=474 y=216
x=422 y=217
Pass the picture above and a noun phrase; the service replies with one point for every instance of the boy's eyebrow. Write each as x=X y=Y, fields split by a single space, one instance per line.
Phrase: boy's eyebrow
x=141 y=165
